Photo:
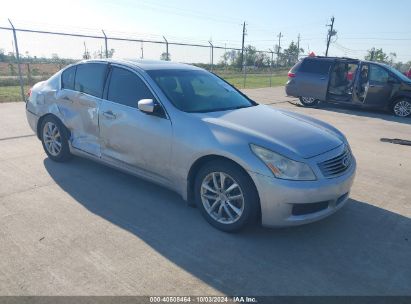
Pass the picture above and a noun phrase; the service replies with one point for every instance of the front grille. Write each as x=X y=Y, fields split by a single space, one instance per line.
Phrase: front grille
x=336 y=166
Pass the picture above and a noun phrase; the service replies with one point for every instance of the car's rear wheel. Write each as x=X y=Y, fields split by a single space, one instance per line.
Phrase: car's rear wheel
x=402 y=107
x=226 y=196
x=308 y=101
x=54 y=139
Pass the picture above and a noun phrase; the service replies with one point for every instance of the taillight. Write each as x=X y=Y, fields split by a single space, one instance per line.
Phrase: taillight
x=291 y=75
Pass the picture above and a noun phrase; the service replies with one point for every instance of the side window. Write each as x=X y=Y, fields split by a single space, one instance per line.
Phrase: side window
x=127 y=88
x=378 y=74
x=67 y=78
x=90 y=78
x=296 y=67
x=316 y=66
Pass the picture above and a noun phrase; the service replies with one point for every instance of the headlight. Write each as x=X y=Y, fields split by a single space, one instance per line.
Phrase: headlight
x=283 y=167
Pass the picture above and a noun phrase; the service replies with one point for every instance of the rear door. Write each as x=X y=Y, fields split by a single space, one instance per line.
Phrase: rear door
x=89 y=84
x=313 y=77
x=129 y=136
x=379 y=86
x=79 y=101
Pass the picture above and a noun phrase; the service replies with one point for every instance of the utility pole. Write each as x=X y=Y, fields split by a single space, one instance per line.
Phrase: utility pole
x=298 y=46
x=331 y=33
x=242 y=45
x=271 y=66
x=142 y=50
x=86 y=55
x=279 y=47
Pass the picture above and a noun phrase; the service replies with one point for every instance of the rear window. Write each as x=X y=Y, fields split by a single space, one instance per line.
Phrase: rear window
x=67 y=78
x=316 y=66
x=90 y=78
x=296 y=67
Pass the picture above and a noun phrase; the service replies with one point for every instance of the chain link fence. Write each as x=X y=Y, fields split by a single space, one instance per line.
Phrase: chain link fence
x=37 y=54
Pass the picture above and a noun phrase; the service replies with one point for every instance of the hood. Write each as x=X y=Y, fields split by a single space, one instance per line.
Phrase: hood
x=276 y=130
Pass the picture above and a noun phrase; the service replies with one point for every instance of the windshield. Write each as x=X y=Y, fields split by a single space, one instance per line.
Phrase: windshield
x=198 y=91
x=399 y=74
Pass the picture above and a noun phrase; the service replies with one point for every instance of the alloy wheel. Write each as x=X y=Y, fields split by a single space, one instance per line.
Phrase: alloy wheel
x=402 y=108
x=222 y=197
x=52 y=138
x=308 y=100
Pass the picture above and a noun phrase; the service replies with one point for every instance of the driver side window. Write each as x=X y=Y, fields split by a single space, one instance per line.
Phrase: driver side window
x=378 y=74
x=127 y=88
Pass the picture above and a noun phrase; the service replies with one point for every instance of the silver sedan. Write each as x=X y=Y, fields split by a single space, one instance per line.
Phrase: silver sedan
x=188 y=130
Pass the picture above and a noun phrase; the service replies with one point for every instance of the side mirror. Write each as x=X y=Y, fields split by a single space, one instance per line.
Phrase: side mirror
x=146 y=105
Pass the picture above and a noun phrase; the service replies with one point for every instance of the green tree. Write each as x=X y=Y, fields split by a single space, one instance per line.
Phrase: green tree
x=165 y=56
x=110 y=53
x=290 y=55
x=250 y=57
x=229 y=57
x=380 y=56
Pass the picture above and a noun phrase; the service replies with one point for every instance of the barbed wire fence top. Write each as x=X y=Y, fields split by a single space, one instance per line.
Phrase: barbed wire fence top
x=36 y=54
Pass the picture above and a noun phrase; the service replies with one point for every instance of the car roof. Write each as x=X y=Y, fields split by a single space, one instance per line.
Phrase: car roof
x=331 y=58
x=347 y=59
x=147 y=65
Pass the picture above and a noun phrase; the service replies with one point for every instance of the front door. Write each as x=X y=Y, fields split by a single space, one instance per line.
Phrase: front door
x=379 y=87
x=129 y=136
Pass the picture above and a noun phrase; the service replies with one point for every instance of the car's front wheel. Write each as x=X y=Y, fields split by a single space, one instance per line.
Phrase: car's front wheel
x=54 y=139
x=226 y=196
x=402 y=107
x=309 y=101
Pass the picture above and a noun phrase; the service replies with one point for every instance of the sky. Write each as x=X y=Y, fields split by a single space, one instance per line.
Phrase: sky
x=360 y=26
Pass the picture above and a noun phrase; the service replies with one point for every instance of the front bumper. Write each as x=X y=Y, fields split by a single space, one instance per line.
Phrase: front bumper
x=288 y=203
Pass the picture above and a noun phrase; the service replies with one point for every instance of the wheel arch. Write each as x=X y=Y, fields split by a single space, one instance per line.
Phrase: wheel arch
x=398 y=97
x=40 y=122
x=200 y=162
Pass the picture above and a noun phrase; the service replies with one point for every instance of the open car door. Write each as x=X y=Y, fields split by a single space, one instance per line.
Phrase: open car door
x=313 y=78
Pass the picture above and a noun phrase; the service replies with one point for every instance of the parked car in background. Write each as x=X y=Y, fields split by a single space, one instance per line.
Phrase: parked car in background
x=350 y=81
x=186 y=129
x=408 y=73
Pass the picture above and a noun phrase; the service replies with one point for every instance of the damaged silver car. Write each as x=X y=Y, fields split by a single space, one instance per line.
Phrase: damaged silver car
x=188 y=130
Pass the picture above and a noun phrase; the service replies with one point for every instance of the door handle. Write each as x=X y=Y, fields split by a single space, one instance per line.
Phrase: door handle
x=109 y=115
x=322 y=78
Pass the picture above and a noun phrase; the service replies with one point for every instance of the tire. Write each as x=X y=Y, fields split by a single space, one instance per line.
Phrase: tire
x=237 y=212
x=54 y=137
x=309 y=101
x=402 y=107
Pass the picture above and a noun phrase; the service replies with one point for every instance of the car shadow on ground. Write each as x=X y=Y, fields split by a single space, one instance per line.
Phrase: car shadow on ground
x=361 y=250
x=358 y=111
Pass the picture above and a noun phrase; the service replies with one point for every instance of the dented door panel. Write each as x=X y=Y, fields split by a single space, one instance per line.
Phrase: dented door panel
x=80 y=112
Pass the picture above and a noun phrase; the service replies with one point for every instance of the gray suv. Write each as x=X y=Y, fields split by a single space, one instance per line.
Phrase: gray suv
x=350 y=81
